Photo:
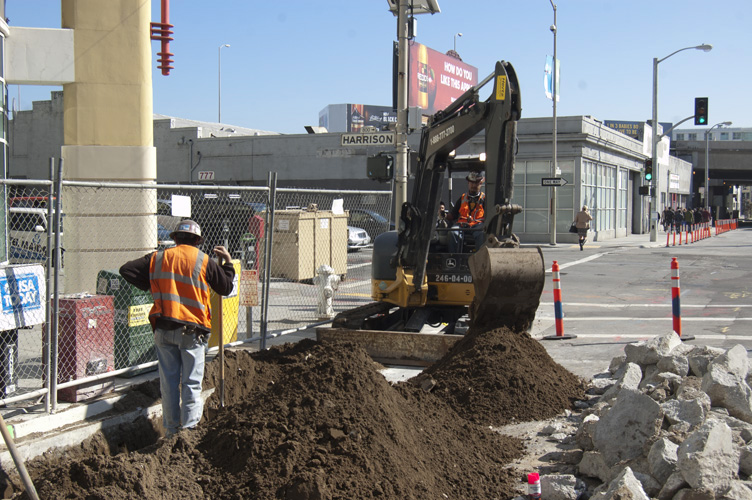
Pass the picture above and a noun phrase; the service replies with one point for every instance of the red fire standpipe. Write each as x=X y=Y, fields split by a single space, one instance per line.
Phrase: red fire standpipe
x=162 y=32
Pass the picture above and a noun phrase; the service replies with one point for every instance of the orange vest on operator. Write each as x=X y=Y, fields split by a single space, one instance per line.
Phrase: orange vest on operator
x=472 y=215
x=178 y=284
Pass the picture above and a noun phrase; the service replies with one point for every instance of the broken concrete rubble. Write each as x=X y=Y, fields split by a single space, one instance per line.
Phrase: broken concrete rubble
x=675 y=424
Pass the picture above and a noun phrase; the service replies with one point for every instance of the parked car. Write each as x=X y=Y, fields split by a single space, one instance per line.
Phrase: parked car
x=163 y=237
x=373 y=222
x=27 y=232
x=357 y=238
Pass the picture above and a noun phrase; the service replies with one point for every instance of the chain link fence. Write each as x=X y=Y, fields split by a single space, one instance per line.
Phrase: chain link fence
x=96 y=326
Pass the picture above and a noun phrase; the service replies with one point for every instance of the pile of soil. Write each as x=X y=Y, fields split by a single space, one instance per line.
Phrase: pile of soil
x=308 y=421
x=500 y=377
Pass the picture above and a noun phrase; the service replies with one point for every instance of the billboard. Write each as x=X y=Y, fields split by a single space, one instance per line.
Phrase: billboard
x=364 y=115
x=436 y=79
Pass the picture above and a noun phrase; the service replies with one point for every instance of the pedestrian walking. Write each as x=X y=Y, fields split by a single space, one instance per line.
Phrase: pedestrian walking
x=179 y=279
x=582 y=223
x=668 y=218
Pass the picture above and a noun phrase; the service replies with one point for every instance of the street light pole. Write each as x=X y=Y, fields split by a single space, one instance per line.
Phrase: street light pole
x=707 y=162
x=399 y=9
x=219 y=83
x=455 y=40
x=653 y=205
x=554 y=94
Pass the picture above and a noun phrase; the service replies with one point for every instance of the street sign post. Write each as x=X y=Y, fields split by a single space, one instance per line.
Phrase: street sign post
x=553 y=181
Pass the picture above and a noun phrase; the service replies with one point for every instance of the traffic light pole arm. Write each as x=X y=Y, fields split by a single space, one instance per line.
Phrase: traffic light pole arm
x=665 y=134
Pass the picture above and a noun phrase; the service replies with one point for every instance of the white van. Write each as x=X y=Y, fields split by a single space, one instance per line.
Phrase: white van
x=27 y=235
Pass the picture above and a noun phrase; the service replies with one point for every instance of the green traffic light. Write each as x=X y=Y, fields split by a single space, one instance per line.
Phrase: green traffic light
x=648 y=177
x=702 y=121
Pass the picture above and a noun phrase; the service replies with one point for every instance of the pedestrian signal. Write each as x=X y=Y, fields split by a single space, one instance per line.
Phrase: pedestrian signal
x=701 y=110
x=648 y=170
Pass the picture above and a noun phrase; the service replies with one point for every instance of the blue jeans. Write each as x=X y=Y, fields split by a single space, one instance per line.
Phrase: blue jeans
x=181 y=363
x=457 y=238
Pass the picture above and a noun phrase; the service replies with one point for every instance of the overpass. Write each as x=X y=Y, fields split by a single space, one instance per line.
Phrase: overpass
x=730 y=161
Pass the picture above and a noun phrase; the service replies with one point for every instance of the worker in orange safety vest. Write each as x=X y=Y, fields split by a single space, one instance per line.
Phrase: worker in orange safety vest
x=469 y=212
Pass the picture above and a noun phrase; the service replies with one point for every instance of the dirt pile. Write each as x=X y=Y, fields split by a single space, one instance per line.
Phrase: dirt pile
x=501 y=377
x=310 y=421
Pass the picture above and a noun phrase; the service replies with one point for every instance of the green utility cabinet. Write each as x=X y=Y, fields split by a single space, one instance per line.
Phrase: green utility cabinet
x=134 y=339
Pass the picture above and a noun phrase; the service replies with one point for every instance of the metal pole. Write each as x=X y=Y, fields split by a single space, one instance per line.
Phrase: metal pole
x=552 y=232
x=54 y=320
x=268 y=237
x=654 y=142
x=219 y=82
x=707 y=170
x=400 y=195
x=656 y=167
x=49 y=292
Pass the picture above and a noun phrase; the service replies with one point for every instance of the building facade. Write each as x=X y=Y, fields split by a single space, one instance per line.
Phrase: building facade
x=602 y=167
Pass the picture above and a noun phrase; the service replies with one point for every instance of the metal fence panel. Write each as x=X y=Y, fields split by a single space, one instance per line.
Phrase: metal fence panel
x=103 y=321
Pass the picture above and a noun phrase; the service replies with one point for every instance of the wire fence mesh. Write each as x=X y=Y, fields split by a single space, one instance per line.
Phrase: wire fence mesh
x=102 y=321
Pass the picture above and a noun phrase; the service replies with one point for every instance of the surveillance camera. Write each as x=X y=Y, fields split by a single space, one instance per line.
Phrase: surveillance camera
x=553 y=28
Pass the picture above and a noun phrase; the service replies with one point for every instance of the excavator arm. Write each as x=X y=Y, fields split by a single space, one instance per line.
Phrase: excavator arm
x=446 y=131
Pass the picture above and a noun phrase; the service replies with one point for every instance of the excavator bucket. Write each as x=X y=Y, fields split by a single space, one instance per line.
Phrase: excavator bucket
x=508 y=285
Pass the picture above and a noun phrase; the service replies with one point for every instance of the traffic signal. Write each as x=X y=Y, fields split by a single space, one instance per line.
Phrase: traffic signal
x=701 y=110
x=649 y=170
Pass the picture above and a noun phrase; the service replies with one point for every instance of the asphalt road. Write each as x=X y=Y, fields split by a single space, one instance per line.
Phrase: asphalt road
x=620 y=292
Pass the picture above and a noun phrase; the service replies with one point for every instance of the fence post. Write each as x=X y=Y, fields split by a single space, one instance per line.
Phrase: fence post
x=558 y=311
x=268 y=237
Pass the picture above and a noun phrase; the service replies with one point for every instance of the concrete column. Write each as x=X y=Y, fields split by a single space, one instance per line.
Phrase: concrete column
x=108 y=135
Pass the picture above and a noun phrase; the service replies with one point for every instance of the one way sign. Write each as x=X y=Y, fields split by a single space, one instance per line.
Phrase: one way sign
x=553 y=181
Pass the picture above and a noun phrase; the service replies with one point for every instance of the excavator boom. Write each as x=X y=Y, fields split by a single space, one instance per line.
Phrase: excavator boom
x=418 y=281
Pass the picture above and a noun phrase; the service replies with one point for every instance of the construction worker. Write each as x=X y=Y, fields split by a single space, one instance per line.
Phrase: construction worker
x=469 y=213
x=179 y=279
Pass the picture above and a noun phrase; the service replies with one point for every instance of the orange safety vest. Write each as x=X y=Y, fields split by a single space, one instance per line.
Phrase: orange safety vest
x=179 y=287
x=472 y=213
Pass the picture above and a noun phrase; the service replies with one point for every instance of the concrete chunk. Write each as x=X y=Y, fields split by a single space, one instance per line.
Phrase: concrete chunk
x=725 y=387
x=708 y=459
x=662 y=459
x=625 y=486
x=700 y=357
x=673 y=484
x=674 y=363
x=584 y=436
x=692 y=412
x=650 y=352
x=594 y=465
x=622 y=432
x=745 y=460
x=560 y=487
x=630 y=379
x=737 y=490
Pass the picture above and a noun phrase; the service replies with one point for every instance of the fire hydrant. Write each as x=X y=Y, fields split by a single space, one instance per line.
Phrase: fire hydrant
x=328 y=282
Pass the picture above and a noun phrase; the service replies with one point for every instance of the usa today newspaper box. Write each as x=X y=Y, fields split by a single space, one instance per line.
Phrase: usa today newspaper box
x=134 y=339
x=22 y=304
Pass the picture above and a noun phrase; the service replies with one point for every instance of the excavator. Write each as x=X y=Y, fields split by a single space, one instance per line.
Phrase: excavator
x=418 y=284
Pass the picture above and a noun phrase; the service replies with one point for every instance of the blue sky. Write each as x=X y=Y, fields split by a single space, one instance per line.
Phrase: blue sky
x=288 y=60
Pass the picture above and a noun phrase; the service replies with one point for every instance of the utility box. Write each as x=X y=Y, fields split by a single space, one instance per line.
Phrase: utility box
x=305 y=240
x=230 y=306
x=134 y=338
x=85 y=344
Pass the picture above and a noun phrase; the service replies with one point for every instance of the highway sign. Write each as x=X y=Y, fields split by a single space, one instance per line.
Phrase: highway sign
x=553 y=181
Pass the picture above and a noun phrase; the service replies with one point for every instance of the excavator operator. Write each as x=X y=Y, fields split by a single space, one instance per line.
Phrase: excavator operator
x=468 y=213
